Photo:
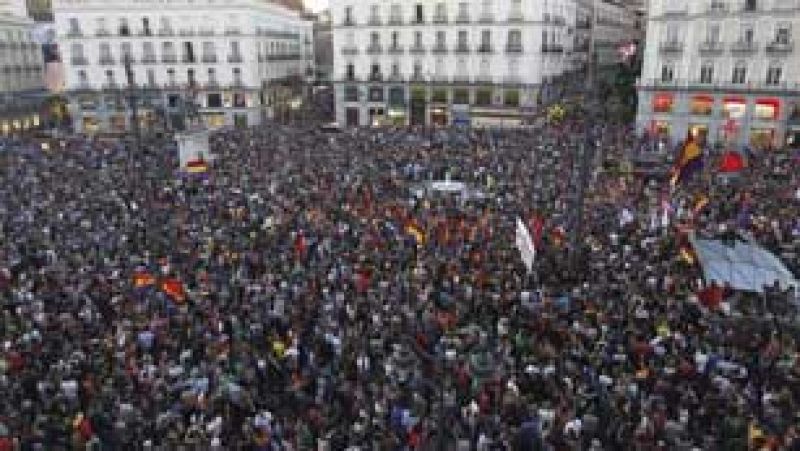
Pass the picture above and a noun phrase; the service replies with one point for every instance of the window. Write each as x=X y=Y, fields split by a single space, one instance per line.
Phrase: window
x=348 y=15
x=418 y=16
x=214 y=100
x=783 y=34
x=461 y=96
x=483 y=97
x=395 y=40
x=395 y=70
x=746 y=33
x=105 y=51
x=376 y=94
x=77 y=50
x=190 y=77
x=712 y=33
x=151 y=77
x=168 y=50
x=148 y=50
x=375 y=72
x=395 y=13
x=463 y=10
x=441 y=11
x=441 y=41
x=706 y=73
x=125 y=50
x=82 y=78
x=110 y=78
x=212 y=75
x=417 y=39
x=417 y=70
x=739 y=73
x=667 y=73
x=702 y=105
x=171 y=75
x=146 y=27
x=375 y=13
x=511 y=98
x=350 y=71
x=486 y=40
x=663 y=103
x=514 y=38
x=165 y=24
x=750 y=5
x=774 y=73
x=375 y=39
x=188 y=52
x=124 y=29
x=672 y=32
x=74 y=26
x=235 y=48
x=350 y=94
x=462 y=39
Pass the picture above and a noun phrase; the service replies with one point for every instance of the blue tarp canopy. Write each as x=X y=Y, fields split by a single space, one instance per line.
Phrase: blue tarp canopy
x=743 y=265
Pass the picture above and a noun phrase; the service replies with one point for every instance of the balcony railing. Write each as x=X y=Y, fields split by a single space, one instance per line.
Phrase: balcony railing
x=486 y=18
x=741 y=47
x=79 y=61
x=110 y=85
x=145 y=32
x=211 y=59
x=583 y=24
x=233 y=31
x=374 y=49
x=483 y=78
x=376 y=77
x=463 y=18
x=417 y=50
x=166 y=32
x=186 y=32
x=349 y=51
x=374 y=21
x=206 y=32
x=461 y=48
x=516 y=16
x=711 y=47
x=439 y=49
x=106 y=61
x=395 y=50
x=440 y=19
x=395 y=20
x=461 y=78
x=235 y=59
x=189 y=59
x=485 y=48
x=417 y=77
x=671 y=47
x=552 y=48
x=347 y=22
x=512 y=80
x=74 y=33
x=149 y=59
x=350 y=77
x=676 y=11
x=514 y=48
x=284 y=57
x=559 y=20
x=720 y=86
x=780 y=47
x=170 y=59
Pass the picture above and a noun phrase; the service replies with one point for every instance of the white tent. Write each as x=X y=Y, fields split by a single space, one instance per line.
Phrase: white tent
x=742 y=265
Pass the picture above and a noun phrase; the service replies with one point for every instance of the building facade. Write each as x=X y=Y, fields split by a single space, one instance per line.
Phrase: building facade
x=21 y=75
x=723 y=70
x=218 y=60
x=615 y=25
x=442 y=62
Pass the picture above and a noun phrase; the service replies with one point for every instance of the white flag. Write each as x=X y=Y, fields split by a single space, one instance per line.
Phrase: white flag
x=525 y=245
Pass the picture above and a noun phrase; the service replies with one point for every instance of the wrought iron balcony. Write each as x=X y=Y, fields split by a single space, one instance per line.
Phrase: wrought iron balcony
x=166 y=31
x=395 y=20
x=233 y=31
x=106 y=61
x=74 y=33
x=374 y=21
x=516 y=17
x=376 y=76
x=717 y=7
x=671 y=47
x=439 y=49
x=485 y=48
x=676 y=12
x=780 y=47
x=396 y=50
x=235 y=59
x=463 y=19
x=440 y=19
x=374 y=49
x=349 y=51
x=170 y=59
x=79 y=61
x=210 y=59
x=486 y=18
x=149 y=59
x=417 y=50
x=514 y=48
x=711 y=47
x=743 y=47
x=348 y=22
x=462 y=48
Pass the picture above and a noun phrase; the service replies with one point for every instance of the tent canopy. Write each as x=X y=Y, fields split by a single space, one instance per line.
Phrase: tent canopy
x=742 y=265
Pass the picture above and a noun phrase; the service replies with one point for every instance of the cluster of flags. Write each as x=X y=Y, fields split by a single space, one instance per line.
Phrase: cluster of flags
x=171 y=286
x=690 y=161
x=197 y=167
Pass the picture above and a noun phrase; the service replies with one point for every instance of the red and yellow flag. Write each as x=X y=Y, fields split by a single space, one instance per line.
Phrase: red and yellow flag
x=143 y=279
x=174 y=289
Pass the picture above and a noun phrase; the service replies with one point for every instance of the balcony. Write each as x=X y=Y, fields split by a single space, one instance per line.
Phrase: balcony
x=235 y=59
x=349 y=51
x=461 y=49
x=149 y=59
x=146 y=32
x=376 y=76
x=484 y=79
x=186 y=32
x=237 y=84
x=189 y=59
x=209 y=59
x=779 y=48
x=169 y=59
x=514 y=48
x=417 y=50
x=671 y=47
x=461 y=78
x=395 y=20
x=166 y=32
x=395 y=50
x=486 y=18
x=74 y=33
x=512 y=80
x=440 y=19
x=374 y=49
x=439 y=49
x=350 y=77
x=396 y=78
x=552 y=48
x=374 y=21
x=127 y=59
x=284 y=57
x=711 y=48
x=463 y=19
x=212 y=85
x=110 y=85
x=106 y=61
x=417 y=77
x=559 y=20
x=485 y=48
x=79 y=61
x=348 y=22
x=233 y=31
x=743 y=47
x=206 y=32
x=583 y=24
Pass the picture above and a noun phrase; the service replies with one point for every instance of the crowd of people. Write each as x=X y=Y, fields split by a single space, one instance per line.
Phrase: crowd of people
x=314 y=290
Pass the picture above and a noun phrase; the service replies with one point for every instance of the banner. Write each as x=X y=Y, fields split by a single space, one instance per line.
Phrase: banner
x=525 y=245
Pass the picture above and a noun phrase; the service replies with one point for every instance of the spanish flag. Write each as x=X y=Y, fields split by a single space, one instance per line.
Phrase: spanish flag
x=143 y=279
x=689 y=161
x=413 y=229
x=197 y=167
x=174 y=289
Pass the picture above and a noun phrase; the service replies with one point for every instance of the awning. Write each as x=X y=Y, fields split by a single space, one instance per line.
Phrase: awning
x=743 y=265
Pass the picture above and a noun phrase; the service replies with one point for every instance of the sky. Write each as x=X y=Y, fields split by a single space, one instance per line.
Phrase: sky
x=316 y=5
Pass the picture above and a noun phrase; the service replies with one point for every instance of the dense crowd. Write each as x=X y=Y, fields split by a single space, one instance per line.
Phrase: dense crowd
x=321 y=297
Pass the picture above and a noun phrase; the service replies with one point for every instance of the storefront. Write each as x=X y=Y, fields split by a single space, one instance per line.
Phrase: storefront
x=90 y=124
x=699 y=132
x=767 y=109
x=118 y=123
x=440 y=116
x=396 y=111
x=496 y=117
x=352 y=117
x=377 y=116
x=734 y=108
x=661 y=129
x=762 y=137
x=214 y=120
x=701 y=105
x=663 y=103
x=419 y=106
x=461 y=116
